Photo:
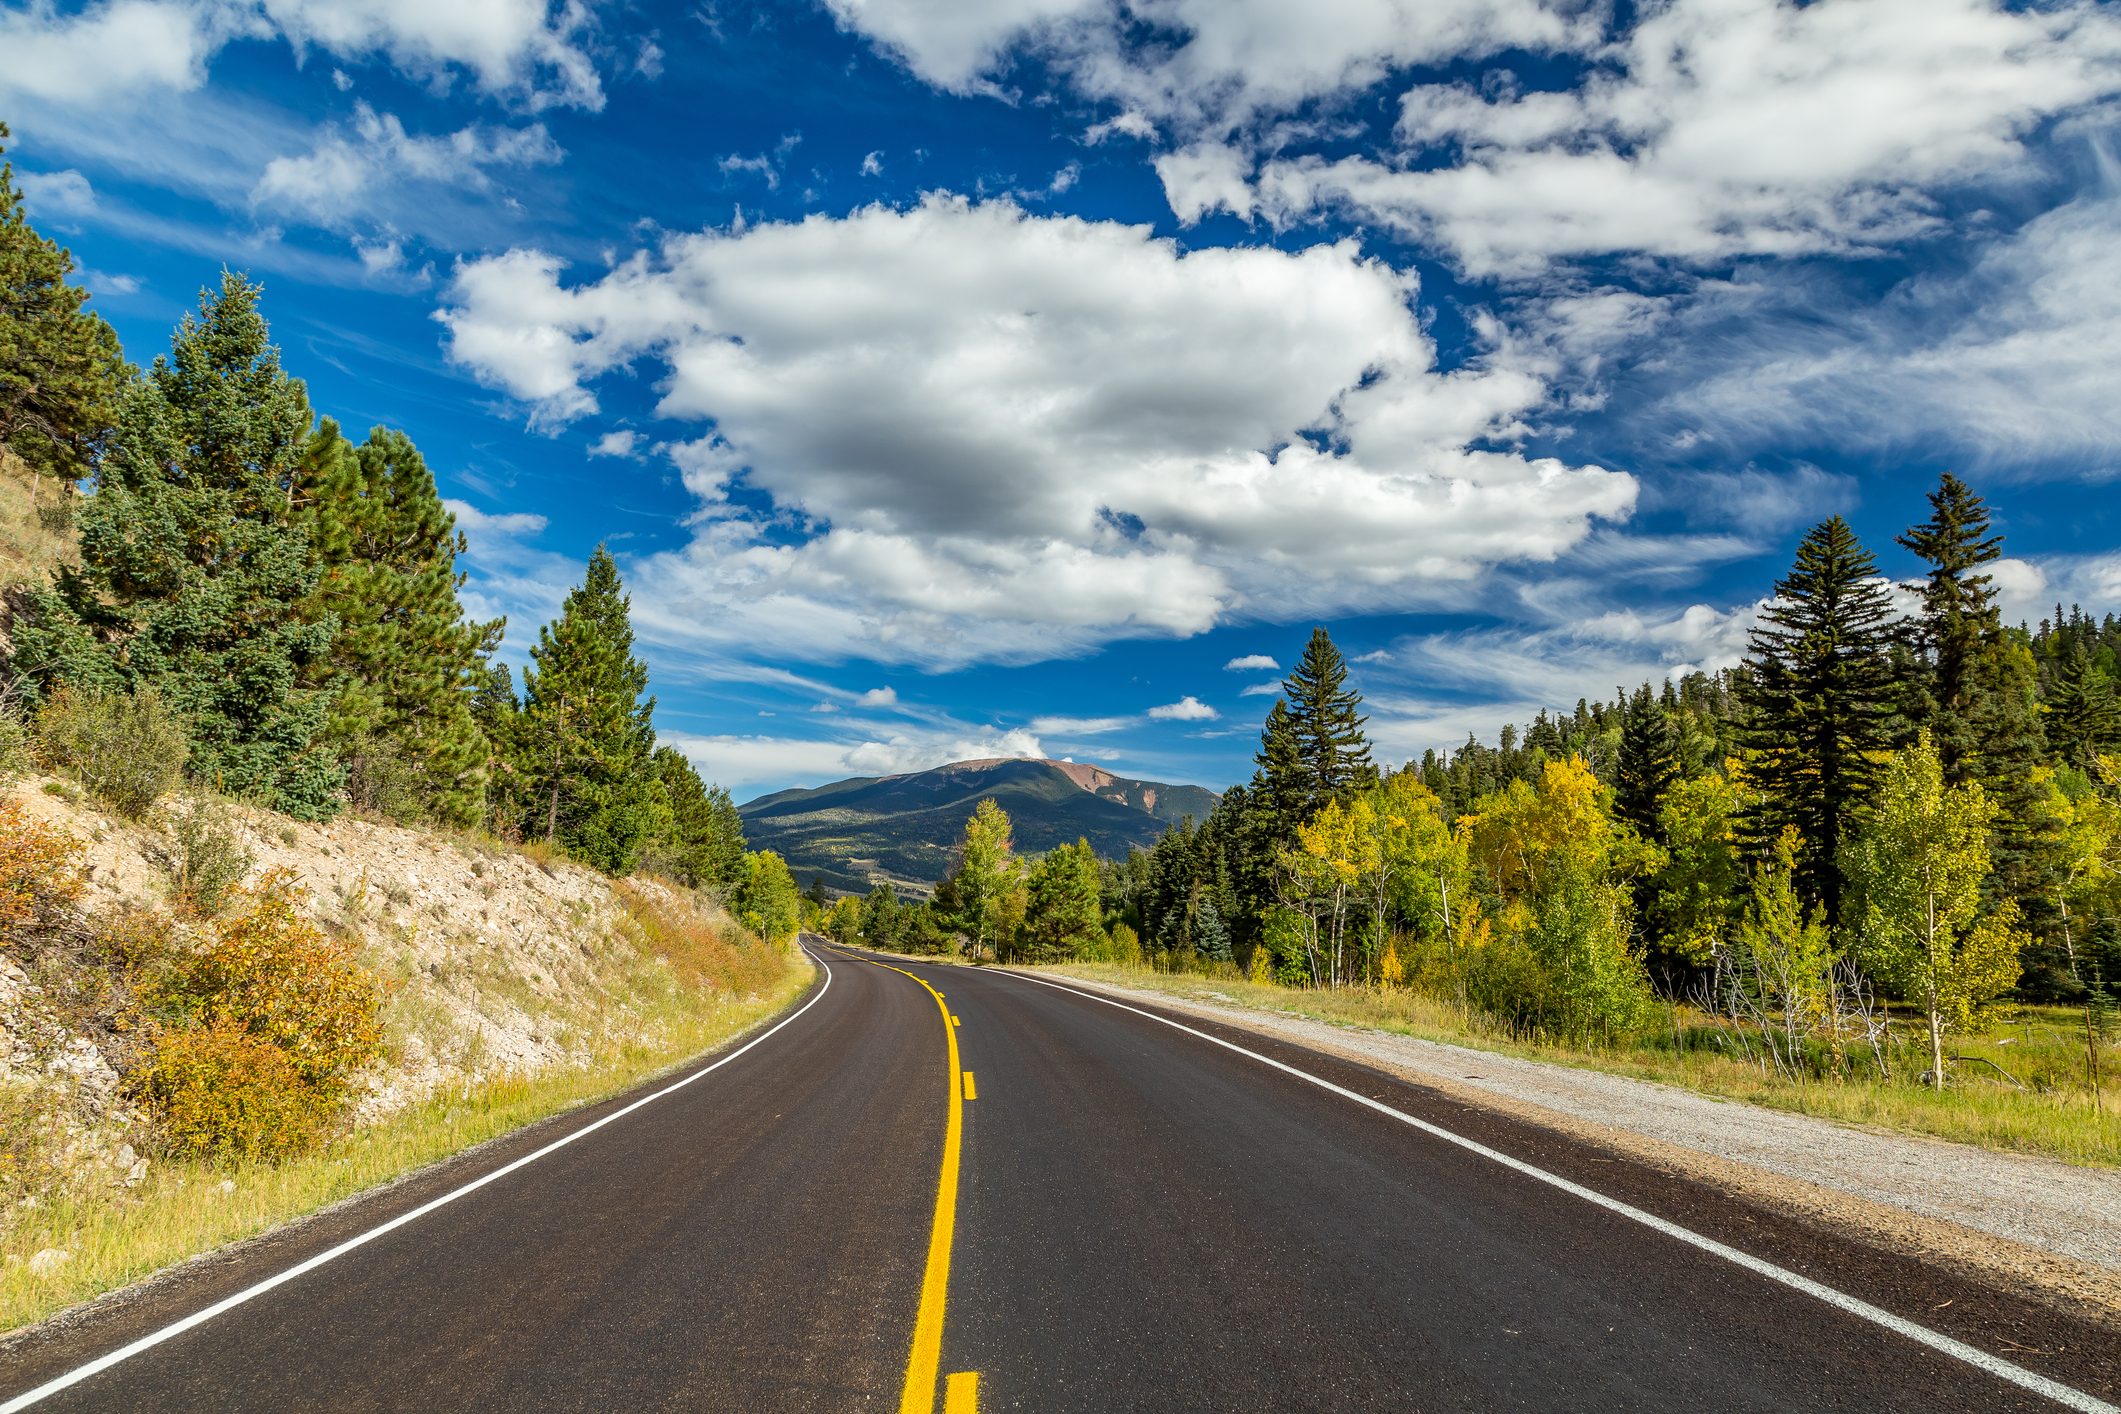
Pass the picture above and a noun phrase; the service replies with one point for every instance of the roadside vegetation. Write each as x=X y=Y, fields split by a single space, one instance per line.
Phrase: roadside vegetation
x=1874 y=873
x=213 y=602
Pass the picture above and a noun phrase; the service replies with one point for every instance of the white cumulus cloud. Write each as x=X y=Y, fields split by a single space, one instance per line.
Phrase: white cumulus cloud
x=1187 y=709
x=1010 y=436
x=1252 y=662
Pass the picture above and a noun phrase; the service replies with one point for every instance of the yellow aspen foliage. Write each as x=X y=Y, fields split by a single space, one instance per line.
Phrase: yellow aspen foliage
x=1523 y=833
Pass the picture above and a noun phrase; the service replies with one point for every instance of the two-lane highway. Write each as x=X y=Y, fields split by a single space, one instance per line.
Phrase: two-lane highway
x=959 y=1185
x=754 y=1240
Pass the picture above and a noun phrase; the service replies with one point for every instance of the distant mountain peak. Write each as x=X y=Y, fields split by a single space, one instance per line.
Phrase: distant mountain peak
x=868 y=829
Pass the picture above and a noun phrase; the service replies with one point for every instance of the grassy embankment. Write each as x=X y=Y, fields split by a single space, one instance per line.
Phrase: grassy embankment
x=683 y=984
x=2042 y=1047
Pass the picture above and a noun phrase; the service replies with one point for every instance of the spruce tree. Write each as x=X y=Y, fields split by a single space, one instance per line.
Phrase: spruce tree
x=585 y=737
x=2084 y=717
x=1820 y=694
x=61 y=371
x=1280 y=789
x=1332 y=752
x=1648 y=764
x=406 y=664
x=195 y=569
x=1958 y=619
x=1981 y=701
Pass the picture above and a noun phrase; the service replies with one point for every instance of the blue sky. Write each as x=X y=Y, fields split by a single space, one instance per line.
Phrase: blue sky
x=1002 y=378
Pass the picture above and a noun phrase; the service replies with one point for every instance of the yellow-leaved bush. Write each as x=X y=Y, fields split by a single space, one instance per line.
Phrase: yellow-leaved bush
x=259 y=1030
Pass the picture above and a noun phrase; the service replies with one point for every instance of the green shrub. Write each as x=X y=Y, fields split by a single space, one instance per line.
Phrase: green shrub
x=128 y=749
x=221 y=1091
x=208 y=860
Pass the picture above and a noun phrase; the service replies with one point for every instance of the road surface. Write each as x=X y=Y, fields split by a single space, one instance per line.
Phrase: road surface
x=936 y=1187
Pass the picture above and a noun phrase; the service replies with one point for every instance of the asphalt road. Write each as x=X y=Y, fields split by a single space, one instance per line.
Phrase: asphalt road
x=1135 y=1218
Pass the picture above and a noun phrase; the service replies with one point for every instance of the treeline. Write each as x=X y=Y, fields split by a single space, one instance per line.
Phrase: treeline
x=275 y=609
x=1919 y=804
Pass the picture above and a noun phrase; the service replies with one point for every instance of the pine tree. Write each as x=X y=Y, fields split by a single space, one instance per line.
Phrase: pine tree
x=406 y=664
x=1062 y=917
x=61 y=371
x=1649 y=763
x=1331 y=751
x=705 y=844
x=499 y=717
x=585 y=737
x=1821 y=699
x=195 y=569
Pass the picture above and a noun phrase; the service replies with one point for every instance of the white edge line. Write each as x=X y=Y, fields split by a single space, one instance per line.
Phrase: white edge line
x=229 y=1303
x=1922 y=1335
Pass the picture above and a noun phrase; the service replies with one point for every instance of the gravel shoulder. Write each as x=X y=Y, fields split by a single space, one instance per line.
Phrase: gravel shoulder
x=2023 y=1218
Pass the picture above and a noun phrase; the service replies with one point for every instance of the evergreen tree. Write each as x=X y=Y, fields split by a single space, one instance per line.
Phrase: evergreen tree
x=61 y=371
x=1981 y=700
x=2084 y=718
x=1821 y=699
x=705 y=844
x=884 y=921
x=1061 y=916
x=1958 y=618
x=1648 y=764
x=405 y=663
x=1332 y=753
x=585 y=736
x=1279 y=789
x=195 y=569
x=1211 y=936
x=499 y=717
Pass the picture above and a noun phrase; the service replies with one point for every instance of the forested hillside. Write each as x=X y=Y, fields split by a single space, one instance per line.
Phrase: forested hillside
x=855 y=833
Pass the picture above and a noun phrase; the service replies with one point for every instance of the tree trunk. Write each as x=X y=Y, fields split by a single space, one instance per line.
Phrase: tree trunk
x=1936 y=1048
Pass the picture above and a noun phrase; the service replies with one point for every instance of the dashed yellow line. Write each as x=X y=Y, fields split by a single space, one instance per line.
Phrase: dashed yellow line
x=961 y=1394
x=970 y=1092
x=925 y=1362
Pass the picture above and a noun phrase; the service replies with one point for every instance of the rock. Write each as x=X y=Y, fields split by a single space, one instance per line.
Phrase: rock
x=49 y=1260
x=136 y=1173
x=227 y=1186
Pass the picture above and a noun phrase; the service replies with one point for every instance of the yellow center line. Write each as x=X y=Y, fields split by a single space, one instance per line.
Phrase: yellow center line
x=970 y=1092
x=961 y=1394
x=927 y=1356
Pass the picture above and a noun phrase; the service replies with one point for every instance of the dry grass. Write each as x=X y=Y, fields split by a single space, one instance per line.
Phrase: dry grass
x=35 y=536
x=2053 y=1116
x=684 y=987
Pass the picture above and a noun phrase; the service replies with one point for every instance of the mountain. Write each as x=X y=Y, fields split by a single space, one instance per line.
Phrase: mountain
x=862 y=831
